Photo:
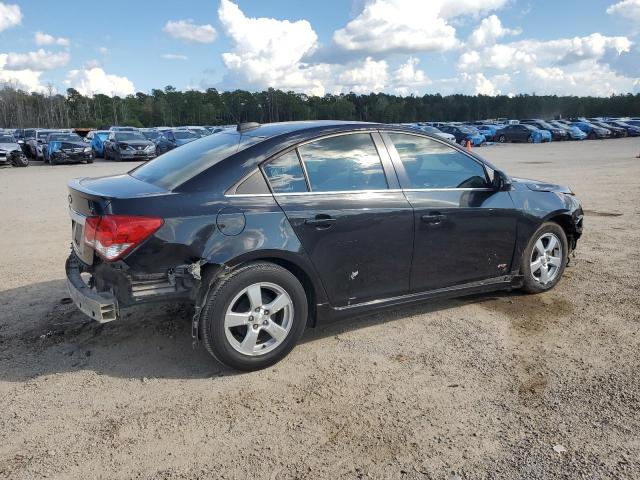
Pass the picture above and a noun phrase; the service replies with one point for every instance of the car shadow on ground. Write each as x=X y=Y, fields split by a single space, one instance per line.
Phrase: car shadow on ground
x=42 y=334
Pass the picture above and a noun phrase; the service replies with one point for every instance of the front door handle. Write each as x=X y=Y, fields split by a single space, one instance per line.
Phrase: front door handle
x=321 y=221
x=433 y=218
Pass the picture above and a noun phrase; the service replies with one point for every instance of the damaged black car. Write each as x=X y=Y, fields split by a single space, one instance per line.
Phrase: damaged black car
x=66 y=147
x=268 y=229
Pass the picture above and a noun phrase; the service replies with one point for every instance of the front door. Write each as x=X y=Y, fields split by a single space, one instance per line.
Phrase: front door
x=342 y=199
x=465 y=230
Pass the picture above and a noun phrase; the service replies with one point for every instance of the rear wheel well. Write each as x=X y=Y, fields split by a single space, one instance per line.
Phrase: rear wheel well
x=210 y=273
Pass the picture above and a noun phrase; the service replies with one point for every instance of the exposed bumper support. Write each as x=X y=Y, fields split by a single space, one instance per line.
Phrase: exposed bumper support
x=102 y=307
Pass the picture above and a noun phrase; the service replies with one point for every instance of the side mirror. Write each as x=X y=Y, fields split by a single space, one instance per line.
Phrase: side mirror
x=501 y=181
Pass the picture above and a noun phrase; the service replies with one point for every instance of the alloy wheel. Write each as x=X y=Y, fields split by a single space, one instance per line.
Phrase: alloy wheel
x=259 y=319
x=546 y=259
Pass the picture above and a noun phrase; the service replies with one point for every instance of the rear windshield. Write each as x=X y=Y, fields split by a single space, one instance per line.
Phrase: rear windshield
x=182 y=135
x=69 y=137
x=181 y=164
x=151 y=135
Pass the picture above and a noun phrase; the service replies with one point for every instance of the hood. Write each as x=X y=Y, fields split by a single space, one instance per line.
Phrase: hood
x=540 y=186
x=9 y=147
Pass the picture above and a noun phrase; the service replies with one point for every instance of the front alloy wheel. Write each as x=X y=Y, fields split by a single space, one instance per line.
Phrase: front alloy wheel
x=544 y=260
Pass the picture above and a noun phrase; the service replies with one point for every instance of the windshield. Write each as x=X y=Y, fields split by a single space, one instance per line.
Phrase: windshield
x=464 y=129
x=181 y=164
x=7 y=138
x=67 y=137
x=125 y=136
x=151 y=135
x=181 y=134
x=42 y=135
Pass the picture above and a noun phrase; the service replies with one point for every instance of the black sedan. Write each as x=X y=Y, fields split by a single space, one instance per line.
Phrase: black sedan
x=267 y=229
x=128 y=145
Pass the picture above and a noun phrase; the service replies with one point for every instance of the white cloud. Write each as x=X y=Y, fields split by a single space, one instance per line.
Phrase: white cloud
x=38 y=60
x=408 y=79
x=28 y=80
x=103 y=50
x=489 y=31
x=408 y=26
x=370 y=76
x=190 y=32
x=96 y=80
x=42 y=38
x=627 y=9
x=10 y=16
x=268 y=52
x=174 y=56
x=496 y=56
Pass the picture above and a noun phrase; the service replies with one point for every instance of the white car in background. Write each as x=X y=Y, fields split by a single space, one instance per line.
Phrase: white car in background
x=435 y=131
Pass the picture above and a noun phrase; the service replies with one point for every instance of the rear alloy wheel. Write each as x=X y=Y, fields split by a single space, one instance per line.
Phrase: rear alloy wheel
x=254 y=316
x=544 y=259
x=502 y=139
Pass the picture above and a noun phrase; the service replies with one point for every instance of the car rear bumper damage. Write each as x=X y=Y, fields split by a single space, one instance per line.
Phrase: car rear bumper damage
x=102 y=307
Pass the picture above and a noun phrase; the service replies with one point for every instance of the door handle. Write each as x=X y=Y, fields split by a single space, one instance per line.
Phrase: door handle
x=433 y=218
x=320 y=221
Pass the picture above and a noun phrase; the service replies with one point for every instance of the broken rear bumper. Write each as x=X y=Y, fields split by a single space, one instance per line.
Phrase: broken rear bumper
x=102 y=307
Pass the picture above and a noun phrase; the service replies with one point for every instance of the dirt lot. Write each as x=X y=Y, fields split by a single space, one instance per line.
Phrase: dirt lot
x=483 y=387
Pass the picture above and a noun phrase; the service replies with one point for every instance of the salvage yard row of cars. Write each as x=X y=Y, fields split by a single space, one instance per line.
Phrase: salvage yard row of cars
x=532 y=130
x=56 y=146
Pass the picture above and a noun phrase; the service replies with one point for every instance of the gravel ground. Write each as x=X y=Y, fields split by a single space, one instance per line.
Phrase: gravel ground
x=492 y=386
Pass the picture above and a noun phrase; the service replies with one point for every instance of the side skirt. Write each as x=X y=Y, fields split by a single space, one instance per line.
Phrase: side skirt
x=329 y=314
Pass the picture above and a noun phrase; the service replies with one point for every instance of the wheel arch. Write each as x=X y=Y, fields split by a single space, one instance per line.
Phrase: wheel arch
x=565 y=220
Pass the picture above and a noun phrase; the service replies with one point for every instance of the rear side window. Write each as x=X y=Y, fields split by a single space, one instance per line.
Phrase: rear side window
x=431 y=164
x=343 y=163
x=253 y=184
x=285 y=174
x=175 y=167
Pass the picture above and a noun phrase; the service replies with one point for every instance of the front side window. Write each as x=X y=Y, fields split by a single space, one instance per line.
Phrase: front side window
x=285 y=174
x=431 y=164
x=343 y=163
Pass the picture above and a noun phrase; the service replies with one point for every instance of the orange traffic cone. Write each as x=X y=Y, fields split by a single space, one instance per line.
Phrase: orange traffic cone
x=469 y=147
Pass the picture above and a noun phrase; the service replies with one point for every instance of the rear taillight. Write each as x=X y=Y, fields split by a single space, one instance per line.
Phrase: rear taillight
x=113 y=236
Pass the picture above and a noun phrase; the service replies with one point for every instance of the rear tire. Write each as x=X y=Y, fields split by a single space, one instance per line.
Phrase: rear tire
x=530 y=139
x=592 y=135
x=236 y=324
x=545 y=258
x=502 y=139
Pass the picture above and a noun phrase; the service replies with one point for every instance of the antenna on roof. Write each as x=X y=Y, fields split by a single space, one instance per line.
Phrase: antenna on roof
x=246 y=126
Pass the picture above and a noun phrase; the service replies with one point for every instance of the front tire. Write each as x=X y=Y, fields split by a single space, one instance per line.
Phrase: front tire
x=254 y=316
x=545 y=258
x=502 y=139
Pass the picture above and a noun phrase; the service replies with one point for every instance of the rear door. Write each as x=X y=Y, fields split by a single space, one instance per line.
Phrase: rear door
x=341 y=196
x=465 y=230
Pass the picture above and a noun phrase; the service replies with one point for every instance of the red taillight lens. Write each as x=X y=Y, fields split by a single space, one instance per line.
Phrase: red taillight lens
x=113 y=236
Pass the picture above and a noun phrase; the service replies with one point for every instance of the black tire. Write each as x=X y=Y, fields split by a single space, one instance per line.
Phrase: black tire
x=530 y=282
x=502 y=139
x=225 y=289
x=530 y=139
x=20 y=160
x=105 y=154
x=592 y=135
x=118 y=157
x=463 y=142
x=89 y=160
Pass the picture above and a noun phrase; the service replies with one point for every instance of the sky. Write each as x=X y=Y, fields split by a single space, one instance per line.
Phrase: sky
x=404 y=47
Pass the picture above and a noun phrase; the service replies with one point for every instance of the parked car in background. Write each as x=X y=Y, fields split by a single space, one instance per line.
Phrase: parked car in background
x=556 y=132
x=162 y=143
x=437 y=132
x=616 y=132
x=271 y=228
x=632 y=130
x=522 y=133
x=66 y=147
x=128 y=145
x=573 y=132
x=200 y=131
x=123 y=129
x=96 y=140
x=36 y=144
x=11 y=152
x=179 y=137
x=592 y=131
x=463 y=134
x=488 y=131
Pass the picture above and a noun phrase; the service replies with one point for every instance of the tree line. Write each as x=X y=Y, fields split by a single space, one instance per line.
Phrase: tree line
x=170 y=107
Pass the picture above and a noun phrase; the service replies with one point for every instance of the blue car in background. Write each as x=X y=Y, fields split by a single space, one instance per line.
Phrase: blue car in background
x=162 y=143
x=489 y=131
x=96 y=139
x=592 y=131
x=463 y=134
x=574 y=132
